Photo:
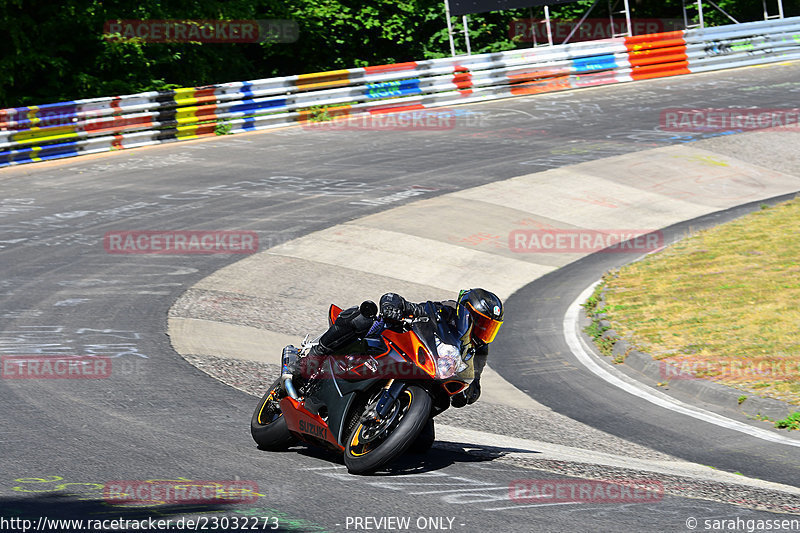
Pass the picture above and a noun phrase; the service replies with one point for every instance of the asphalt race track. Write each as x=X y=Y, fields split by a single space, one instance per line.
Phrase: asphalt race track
x=156 y=417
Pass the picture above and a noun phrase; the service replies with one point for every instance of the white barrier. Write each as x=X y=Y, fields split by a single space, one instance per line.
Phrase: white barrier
x=72 y=128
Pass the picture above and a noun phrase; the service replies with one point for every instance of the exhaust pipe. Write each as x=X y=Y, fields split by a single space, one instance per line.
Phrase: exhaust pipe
x=288 y=366
x=288 y=386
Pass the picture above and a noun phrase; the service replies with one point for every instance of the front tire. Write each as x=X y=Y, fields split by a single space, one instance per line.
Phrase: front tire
x=371 y=446
x=268 y=427
x=425 y=439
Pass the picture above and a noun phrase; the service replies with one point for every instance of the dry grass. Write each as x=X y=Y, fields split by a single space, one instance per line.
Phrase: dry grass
x=724 y=303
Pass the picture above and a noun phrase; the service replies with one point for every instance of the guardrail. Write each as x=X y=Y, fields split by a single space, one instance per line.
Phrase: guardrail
x=67 y=129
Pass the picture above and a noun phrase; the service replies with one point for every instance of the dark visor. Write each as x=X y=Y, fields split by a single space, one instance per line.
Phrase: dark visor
x=484 y=327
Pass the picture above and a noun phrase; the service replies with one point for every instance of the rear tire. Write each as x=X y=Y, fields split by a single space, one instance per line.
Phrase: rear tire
x=366 y=452
x=268 y=427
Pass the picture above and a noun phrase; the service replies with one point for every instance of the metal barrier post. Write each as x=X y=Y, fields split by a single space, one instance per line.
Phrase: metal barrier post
x=466 y=35
x=449 y=28
x=612 y=4
x=700 y=22
x=767 y=16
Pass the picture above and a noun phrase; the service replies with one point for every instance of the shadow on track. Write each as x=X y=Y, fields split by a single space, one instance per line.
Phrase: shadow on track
x=442 y=455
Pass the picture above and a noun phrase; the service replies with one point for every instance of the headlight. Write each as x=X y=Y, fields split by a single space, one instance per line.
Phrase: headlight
x=449 y=362
x=447 y=350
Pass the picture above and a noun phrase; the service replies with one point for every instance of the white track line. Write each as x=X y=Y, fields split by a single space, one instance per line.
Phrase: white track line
x=581 y=351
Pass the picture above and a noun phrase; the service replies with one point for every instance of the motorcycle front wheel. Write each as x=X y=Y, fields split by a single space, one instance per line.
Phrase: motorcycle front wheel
x=372 y=444
x=268 y=426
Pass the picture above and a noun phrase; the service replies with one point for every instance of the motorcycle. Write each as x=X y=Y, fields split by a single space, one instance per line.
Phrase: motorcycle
x=376 y=398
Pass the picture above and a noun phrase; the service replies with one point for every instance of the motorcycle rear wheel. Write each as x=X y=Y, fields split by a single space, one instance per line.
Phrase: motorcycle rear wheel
x=268 y=427
x=370 y=446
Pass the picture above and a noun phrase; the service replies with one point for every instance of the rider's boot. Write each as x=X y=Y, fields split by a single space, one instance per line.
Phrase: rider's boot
x=309 y=363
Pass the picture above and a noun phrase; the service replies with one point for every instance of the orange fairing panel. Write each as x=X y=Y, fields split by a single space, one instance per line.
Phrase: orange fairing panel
x=333 y=312
x=409 y=346
x=299 y=420
x=453 y=386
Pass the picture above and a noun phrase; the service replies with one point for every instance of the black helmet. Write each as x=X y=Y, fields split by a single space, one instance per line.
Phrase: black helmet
x=486 y=310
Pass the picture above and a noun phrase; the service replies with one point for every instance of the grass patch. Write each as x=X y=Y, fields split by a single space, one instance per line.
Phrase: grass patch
x=791 y=422
x=318 y=113
x=223 y=128
x=591 y=304
x=742 y=399
x=723 y=301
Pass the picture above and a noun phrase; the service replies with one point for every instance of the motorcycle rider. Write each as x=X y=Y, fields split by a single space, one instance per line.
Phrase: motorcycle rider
x=484 y=307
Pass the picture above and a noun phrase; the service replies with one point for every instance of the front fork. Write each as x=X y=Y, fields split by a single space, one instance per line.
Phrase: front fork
x=391 y=392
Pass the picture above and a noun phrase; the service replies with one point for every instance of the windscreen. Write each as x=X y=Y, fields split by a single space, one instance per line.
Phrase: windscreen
x=449 y=344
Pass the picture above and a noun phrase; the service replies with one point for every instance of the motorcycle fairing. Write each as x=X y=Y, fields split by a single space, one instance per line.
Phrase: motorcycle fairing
x=337 y=396
x=333 y=312
x=411 y=348
x=307 y=425
x=436 y=329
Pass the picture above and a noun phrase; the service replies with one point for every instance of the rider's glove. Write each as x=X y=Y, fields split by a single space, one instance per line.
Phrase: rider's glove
x=391 y=313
